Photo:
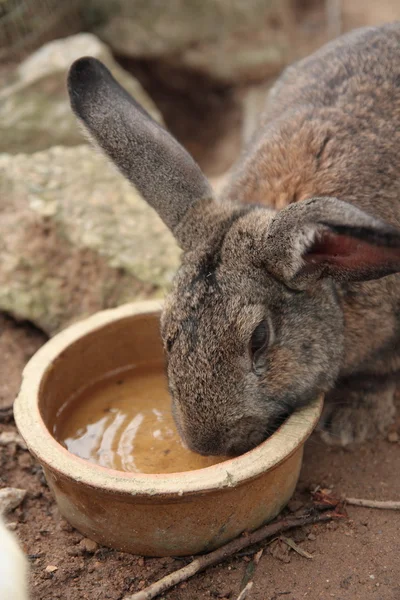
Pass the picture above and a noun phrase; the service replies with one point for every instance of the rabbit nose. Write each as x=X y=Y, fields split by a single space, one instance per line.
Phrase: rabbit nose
x=206 y=445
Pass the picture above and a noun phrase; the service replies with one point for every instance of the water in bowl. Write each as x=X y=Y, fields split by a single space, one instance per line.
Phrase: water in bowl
x=124 y=422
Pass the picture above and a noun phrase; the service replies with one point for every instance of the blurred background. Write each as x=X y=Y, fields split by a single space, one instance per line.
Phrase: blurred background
x=74 y=236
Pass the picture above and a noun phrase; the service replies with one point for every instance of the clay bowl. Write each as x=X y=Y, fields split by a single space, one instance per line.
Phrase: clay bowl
x=152 y=515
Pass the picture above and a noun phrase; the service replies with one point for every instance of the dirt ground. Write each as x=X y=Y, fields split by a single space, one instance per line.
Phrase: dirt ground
x=354 y=559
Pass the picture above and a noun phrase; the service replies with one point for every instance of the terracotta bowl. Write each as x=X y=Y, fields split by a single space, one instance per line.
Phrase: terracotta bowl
x=152 y=515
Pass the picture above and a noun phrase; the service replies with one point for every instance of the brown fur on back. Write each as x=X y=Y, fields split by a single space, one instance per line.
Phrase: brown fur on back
x=332 y=128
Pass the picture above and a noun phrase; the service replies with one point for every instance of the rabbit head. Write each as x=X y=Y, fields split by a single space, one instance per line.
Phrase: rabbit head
x=252 y=328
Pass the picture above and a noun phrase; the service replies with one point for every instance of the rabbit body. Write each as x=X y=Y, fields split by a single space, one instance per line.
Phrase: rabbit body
x=332 y=128
x=289 y=283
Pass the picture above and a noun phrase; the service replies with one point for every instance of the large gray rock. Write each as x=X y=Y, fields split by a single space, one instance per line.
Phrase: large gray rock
x=75 y=238
x=231 y=40
x=34 y=109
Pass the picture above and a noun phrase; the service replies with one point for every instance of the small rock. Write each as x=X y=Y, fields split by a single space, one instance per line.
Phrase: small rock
x=34 y=109
x=12 y=437
x=140 y=561
x=88 y=545
x=280 y=550
x=74 y=237
x=74 y=551
x=51 y=569
x=393 y=437
x=12 y=526
x=312 y=536
x=10 y=498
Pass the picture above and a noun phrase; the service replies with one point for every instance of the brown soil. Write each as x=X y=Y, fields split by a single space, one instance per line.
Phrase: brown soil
x=356 y=559
x=18 y=342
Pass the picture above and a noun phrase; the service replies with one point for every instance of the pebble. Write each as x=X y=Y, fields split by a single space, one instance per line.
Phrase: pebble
x=74 y=551
x=140 y=561
x=11 y=437
x=393 y=437
x=312 y=536
x=10 y=498
x=51 y=569
x=88 y=545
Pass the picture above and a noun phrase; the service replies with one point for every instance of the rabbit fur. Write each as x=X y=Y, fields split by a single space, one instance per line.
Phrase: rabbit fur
x=13 y=567
x=289 y=283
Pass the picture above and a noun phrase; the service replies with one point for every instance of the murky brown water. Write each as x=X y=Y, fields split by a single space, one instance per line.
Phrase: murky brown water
x=125 y=423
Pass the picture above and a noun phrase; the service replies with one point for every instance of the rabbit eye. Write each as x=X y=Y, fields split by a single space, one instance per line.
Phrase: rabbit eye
x=259 y=339
x=259 y=342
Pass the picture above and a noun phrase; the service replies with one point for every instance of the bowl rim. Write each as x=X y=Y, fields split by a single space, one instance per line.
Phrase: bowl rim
x=52 y=455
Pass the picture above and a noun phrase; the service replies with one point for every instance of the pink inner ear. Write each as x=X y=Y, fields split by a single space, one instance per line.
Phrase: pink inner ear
x=350 y=253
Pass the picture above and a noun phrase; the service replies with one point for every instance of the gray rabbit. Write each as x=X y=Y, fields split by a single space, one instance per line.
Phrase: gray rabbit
x=288 y=284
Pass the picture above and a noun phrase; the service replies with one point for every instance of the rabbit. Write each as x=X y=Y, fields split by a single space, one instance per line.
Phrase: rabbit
x=289 y=285
x=13 y=567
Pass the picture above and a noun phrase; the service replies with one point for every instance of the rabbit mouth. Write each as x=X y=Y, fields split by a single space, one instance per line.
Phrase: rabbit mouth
x=257 y=437
x=247 y=439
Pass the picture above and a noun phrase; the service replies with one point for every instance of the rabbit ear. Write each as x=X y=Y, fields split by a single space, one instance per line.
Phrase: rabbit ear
x=160 y=168
x=325 y=237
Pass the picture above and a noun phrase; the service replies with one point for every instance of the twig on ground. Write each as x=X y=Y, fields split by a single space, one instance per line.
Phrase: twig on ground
x=324 y=500
x=292 y=544
x=249 y=573
x=383 y=504
x=217 y=556
x=243 y=594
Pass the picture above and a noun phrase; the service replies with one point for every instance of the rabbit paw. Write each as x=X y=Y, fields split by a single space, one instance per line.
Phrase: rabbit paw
x=359 y=421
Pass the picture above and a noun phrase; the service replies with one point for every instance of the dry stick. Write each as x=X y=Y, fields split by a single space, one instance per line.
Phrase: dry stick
x=215 y=557
x=243 y=594
x=385 y=504
x=247 y=582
